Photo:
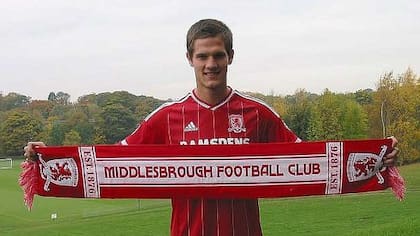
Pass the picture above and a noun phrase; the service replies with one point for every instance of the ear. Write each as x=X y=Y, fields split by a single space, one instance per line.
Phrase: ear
x=231 y=56
x=189 y=58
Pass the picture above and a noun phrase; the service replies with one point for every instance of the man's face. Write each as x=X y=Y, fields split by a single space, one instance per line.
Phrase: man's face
x=210 y=61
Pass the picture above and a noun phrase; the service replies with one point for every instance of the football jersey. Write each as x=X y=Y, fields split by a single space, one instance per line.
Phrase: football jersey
x=239 y=119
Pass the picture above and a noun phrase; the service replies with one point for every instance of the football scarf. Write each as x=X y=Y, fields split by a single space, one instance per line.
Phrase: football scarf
x=210 y=171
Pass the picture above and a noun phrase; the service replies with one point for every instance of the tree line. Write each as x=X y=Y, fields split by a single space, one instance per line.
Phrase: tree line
x=393 y=108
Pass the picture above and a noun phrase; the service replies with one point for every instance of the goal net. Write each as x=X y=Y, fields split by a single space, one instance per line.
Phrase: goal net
x=6 y=163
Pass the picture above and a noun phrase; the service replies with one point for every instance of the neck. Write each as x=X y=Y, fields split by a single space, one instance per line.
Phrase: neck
x=212 y=96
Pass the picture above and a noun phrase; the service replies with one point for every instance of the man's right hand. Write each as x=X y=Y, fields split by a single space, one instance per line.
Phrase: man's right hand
x=30 y=153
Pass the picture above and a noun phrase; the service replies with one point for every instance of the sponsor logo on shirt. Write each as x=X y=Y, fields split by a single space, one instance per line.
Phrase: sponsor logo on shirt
x=190 y=127
x=215 y=141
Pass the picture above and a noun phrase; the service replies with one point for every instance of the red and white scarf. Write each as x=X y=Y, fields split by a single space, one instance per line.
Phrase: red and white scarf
x=224 y=171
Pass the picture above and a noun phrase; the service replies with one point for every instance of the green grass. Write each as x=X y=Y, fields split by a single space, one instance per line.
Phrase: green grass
x=376 y=213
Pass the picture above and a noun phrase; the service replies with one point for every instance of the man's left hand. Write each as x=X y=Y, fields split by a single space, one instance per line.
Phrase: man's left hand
x=391 y=158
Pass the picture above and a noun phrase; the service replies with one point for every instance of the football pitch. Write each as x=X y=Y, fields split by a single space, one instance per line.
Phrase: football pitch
x=376 y=213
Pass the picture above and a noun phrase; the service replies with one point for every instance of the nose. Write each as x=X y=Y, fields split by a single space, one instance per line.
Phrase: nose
x=211 y=63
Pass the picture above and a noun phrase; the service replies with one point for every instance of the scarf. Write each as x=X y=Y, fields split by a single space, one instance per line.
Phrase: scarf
x=211 y=171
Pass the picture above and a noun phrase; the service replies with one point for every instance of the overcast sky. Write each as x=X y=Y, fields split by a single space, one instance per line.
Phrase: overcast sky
x=83 y=47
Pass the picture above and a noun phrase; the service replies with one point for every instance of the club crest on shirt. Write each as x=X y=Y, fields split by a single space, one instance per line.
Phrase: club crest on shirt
x=236 y=124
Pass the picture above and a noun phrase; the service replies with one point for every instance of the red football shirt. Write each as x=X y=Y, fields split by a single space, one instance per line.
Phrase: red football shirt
x=240 y=120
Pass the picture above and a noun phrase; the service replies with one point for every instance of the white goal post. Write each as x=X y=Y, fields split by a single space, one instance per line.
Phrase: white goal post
x=6 y=163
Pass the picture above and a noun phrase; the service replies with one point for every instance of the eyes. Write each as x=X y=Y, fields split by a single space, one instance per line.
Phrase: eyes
x=205 y=56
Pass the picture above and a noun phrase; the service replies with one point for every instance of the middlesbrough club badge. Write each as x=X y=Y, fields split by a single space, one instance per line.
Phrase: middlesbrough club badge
x=236 y=124
x=62 y=172
x=362 y=166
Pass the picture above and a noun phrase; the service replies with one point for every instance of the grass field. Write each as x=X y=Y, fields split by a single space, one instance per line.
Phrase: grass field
x=356 y=214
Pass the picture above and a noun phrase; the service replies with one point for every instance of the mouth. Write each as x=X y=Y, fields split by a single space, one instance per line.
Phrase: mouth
x=211 y=73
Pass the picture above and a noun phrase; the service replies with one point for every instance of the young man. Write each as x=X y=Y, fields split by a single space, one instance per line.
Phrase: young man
x=212 y=114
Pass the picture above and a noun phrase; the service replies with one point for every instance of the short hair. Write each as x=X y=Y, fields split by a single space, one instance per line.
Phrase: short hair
x=207 y=28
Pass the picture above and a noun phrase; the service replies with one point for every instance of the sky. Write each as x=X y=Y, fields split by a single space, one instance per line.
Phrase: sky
x=92 y=46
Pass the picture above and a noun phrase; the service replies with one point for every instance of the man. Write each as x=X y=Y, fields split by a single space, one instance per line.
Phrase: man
x=212 y=114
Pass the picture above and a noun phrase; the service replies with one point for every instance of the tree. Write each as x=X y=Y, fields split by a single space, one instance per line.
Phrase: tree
x=124 y=98
x=314 y=130
x=16 y=130
x=355 y=120
x=364 y=97
x=119 y=121
x=12 y=101
x=145 y=105
x=328 y=107
x=299 y=113
x=72 y=138
x=42 y=107
x=52 y=97
x=60 y=98
x=395 y=111
x=99 y=137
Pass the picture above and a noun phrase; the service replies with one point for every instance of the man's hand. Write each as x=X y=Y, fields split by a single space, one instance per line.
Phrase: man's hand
x=391 y=158
x=30 y=153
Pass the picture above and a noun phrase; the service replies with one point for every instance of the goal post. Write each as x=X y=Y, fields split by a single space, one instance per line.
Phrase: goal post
x=6 y=163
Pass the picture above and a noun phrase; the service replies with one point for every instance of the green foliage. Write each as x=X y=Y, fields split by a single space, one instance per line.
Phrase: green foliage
x=119 y=122
x=99 y=136
x=364 y=97
x=86 y=132
x=17 y=128
x=12 y=101
x=314 y=129
x=398 y=100
x=299 y=114
x=97 y=119
x=106 y=118
x=120 y=97
x=51 y=97
x=72 y=138
x=56 y=136
x=326 y=117
x=42 y=107
x=354 y=121
x=120 y=112
x=59 y=98
x=145 y=105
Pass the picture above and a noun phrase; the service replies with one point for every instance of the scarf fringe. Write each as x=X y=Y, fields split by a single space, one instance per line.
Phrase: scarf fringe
x=397 y=183
x=28 y=183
